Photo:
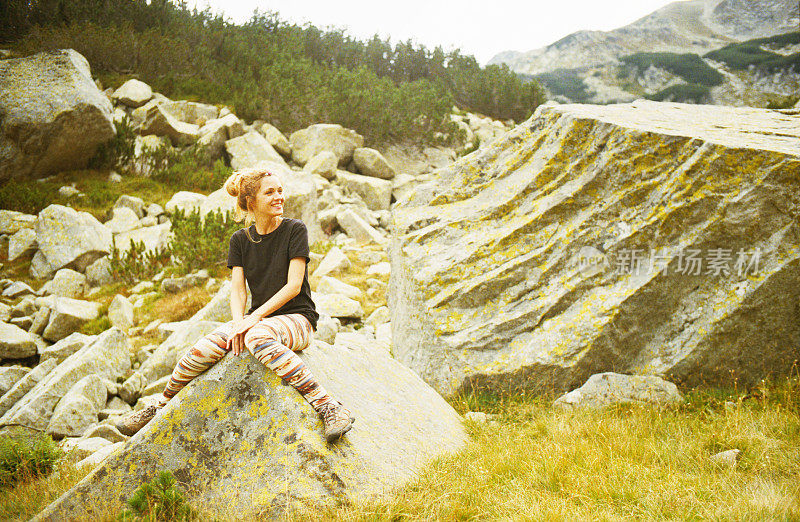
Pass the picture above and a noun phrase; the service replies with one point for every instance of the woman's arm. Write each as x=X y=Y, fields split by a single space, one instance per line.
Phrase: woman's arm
x=294 y=280
x=238 y=293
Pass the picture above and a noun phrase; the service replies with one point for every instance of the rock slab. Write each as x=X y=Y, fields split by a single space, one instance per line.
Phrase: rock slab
x=244 y=445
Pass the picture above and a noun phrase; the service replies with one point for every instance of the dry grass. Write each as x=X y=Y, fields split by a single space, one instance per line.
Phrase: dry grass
x=31 y=496
x=628 y=462
x=176 y=307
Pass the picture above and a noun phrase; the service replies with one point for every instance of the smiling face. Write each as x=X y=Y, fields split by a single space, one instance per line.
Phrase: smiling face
x=268 y=201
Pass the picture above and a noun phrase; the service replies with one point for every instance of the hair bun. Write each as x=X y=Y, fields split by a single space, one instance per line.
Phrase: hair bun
x=233 y=184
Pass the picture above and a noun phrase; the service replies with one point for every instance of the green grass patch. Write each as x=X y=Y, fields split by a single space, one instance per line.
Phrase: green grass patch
x=688 y=66
x=158 y=500
x=26 y=457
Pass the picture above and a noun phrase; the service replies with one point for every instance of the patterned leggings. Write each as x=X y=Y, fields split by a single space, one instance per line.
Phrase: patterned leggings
x=272 y=341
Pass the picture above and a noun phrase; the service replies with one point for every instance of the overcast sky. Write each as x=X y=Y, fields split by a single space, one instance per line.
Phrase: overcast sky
x=480 y=28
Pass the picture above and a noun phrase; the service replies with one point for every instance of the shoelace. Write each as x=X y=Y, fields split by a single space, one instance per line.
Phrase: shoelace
x=329 y=412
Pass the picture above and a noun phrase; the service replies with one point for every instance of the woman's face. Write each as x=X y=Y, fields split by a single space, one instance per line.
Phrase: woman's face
x=268 y=201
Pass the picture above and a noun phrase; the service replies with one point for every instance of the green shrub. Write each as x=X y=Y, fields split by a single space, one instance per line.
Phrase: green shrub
x=786 y=103
x=158 y=500
x=187 y=169
x=201 y=242
x=688 y=66
x=137 y=263
x=684 y=92
x=26 y=196
x=743 y=55
x=118 y=152
x=23 y=457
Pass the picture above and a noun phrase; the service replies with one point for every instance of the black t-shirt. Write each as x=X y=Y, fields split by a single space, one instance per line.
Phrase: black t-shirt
x=266 y=265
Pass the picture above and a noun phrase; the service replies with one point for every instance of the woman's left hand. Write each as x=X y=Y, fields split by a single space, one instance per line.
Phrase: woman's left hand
x=236 y=339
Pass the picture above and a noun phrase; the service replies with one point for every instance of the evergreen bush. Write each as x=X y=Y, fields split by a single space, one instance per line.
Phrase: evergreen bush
x=25 y=457
x=200 y=242
x=158 y=500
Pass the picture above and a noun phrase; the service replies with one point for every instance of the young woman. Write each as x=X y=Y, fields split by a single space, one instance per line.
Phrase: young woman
x=270 y=255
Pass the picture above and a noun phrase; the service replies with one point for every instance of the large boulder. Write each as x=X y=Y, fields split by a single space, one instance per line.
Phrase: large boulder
x=236 y=424
x=527 y=266
x=54 y=116
x=307 y=143
x=370 y=162
x=71 y=239
x=10 y=375
x=251 y=149
x=276 y=138
x=191 y=112
x=154 y=237
x=107 y=357
x=160 y=122
x=376 y=193
x=66 y=283
x=23 y=243
x=78 y=409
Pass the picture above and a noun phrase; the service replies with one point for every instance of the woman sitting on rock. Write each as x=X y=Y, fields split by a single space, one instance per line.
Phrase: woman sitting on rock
x=271 y=256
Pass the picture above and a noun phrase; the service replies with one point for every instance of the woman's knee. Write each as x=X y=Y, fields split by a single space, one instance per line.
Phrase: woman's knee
x=260 y=334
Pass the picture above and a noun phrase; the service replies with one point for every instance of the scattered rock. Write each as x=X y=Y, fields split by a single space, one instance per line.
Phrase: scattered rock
x=9 y=375
x=25 y=384
x=22 y=243
x=308 y=142
x=12 y=221
x=66 y=283
x=276 y=139
x=323 y=164
x=370 y=162
x=69 y=315
x=603 y=389
x=106 y=431
x=77 y=410
x=335 y=261
x=725 y=459
x=17 y=289
x=120 y=313
x=336 y=305
x=357 y=228
x=330 y=285
x=376 y=193
x=160 y=122
x=15 y=343
x=381 y=269
x=99 y=272
x=250 y=150
x=66 y=346
x=71 y=239
x=133 y=93
x=122 y=219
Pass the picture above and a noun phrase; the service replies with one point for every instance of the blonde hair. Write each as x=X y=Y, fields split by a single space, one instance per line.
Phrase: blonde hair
x=244 y=185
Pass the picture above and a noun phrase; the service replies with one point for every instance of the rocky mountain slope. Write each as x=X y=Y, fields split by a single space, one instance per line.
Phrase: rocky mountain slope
x=590 y=67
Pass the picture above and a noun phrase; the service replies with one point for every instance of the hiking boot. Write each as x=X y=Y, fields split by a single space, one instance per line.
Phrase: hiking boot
x=136 y=420
x=337 y=419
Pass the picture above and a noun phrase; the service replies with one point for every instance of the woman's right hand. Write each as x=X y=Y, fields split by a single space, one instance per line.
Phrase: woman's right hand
x=240 y=328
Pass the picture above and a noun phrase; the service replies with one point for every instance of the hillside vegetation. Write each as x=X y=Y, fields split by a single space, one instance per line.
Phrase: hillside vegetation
x=688 y=66
x=741 y=56
x=269 y=69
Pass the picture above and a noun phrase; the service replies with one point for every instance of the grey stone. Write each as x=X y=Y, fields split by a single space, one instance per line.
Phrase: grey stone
x=155 y=237
x=307 y=143
x=16 y=289
x=186 y=201
x=26 y=306
x=490 y=289
x=357 y=228
x=12 y=221
x=276 y=139
x=133 y=93
x=191 y=112
x=327 y=328
x=99 y=456
x=132 y=388
x=40 y=320
x=105 y=431
x=66 y=346
x=321 y=474
x=376 y=193
x=54 y=115
x=82 y=447
x=108 y=357
x=382 y=269
x=22 y=243
x=335 y=261
x=323 y=164
x=78 y=409
x=10 y=375
x=249 y=150
x=725 y=459
x=122 y=219
x=15 y=343
x=71 y=239
x=69 y=315
x=378 y=317
x=66 y=283
x=336 y=305
x=160 y=122
x=99 y=272
x=22 y=322
x=40 y=268
x=330 y=285
x=133 y=203
x=25 y=384
x=370 y=162
x=120 y=313
x=603 y=389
